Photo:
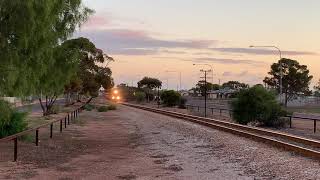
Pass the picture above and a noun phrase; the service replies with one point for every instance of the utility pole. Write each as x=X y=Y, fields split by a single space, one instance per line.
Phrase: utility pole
x=205 y=91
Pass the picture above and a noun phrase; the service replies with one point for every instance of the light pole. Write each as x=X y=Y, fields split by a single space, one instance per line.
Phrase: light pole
x=179 y=73
x=280 y=66
x=210 y=68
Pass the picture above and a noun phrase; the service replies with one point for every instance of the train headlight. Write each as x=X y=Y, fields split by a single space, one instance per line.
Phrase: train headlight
x=115 y=91
x=118 y=97
x=113 y=97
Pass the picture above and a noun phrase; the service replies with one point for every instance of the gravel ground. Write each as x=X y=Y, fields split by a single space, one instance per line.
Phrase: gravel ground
x=133 y=144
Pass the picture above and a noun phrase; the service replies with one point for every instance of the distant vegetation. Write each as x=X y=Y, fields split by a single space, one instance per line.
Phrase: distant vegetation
x=170 y=98
x=295 y=81
x=259 y=105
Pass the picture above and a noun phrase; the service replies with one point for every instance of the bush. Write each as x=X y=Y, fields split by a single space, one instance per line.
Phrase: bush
x=55 y=109
x=182 y=103
x=112 y=107
x=170 y=98
x=11 y=121
x=89 y=107
x=256 y=104
x=140 y=96
x=103 y=109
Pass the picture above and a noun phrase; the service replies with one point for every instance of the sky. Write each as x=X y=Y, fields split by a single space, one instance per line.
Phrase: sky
x=164 y=38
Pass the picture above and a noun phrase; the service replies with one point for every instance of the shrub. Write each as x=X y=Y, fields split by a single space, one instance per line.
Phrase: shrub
x=55 y=109
x=112 y=107
x=140 y=96
x=11 y=121
x=170 y=98
x=103 y=109
x=256 y=104
x=182 y=103
x=89 y=107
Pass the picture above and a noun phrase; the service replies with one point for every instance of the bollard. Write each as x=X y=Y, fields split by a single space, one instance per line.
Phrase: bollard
x=37 y=137
x=51 y=127
x=220 y=112
x=211 y=110
x=15 y=156
x=65 y=122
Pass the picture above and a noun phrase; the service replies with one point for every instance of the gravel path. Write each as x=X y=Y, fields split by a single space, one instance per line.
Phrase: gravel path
x=133 y=144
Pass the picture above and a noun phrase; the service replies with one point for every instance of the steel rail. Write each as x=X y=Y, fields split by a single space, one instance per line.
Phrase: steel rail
x=259 y=134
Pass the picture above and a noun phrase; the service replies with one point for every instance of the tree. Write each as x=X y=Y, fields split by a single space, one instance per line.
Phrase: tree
x=235 y=85
x=295 y=80
x=257 y=104
x=90 y=74
x=29 y=32
x=201 y=86
x=149 y=84
x=62 y=68
x=317 y=89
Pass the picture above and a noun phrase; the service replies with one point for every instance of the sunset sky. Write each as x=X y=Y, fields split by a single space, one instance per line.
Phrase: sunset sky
x=147 y=37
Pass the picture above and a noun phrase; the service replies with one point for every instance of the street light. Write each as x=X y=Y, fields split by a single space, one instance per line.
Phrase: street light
x=280 y=65
x=210 y=67
x=179 y=72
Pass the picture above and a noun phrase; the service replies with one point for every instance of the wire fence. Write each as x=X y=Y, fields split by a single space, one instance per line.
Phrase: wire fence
x=228 y=113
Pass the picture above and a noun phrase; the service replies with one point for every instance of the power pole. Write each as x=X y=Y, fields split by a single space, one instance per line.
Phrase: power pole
x=205 y=91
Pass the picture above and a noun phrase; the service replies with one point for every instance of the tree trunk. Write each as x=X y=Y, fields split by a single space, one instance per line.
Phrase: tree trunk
x=286 y=99
x=46 y=109
x=42 y=107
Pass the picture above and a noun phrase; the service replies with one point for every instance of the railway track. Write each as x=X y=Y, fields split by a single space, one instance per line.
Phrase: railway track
x=301 y=145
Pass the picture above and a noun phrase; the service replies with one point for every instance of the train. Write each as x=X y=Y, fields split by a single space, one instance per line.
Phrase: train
x=114 y=95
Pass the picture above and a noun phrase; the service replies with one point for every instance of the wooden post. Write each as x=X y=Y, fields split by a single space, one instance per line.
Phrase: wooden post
x=290 y=118
x=37 y=137
x=60 y=125
x=15 y=156
x=51 y=127
x=314 y=126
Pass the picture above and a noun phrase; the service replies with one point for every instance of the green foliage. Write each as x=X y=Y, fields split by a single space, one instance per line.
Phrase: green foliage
x=202 y=86
x=170 y=97
x=30 y=31
x=150 y=83
x=55 y=109
x=295 y=81
x=140 y=96
x=11 y=121
x=235 y=85
x=112 y=107
x=256 y=104
x=103 y=109
x=90 y=76
x=89 y=107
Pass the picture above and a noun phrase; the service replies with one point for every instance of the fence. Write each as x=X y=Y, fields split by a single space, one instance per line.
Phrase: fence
x=230 y=115
x=63 y=122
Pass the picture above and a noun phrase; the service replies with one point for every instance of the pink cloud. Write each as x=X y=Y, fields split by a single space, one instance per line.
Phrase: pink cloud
x=97 y=21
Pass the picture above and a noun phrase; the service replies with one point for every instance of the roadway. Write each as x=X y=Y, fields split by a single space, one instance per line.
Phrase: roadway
x=36 y=107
